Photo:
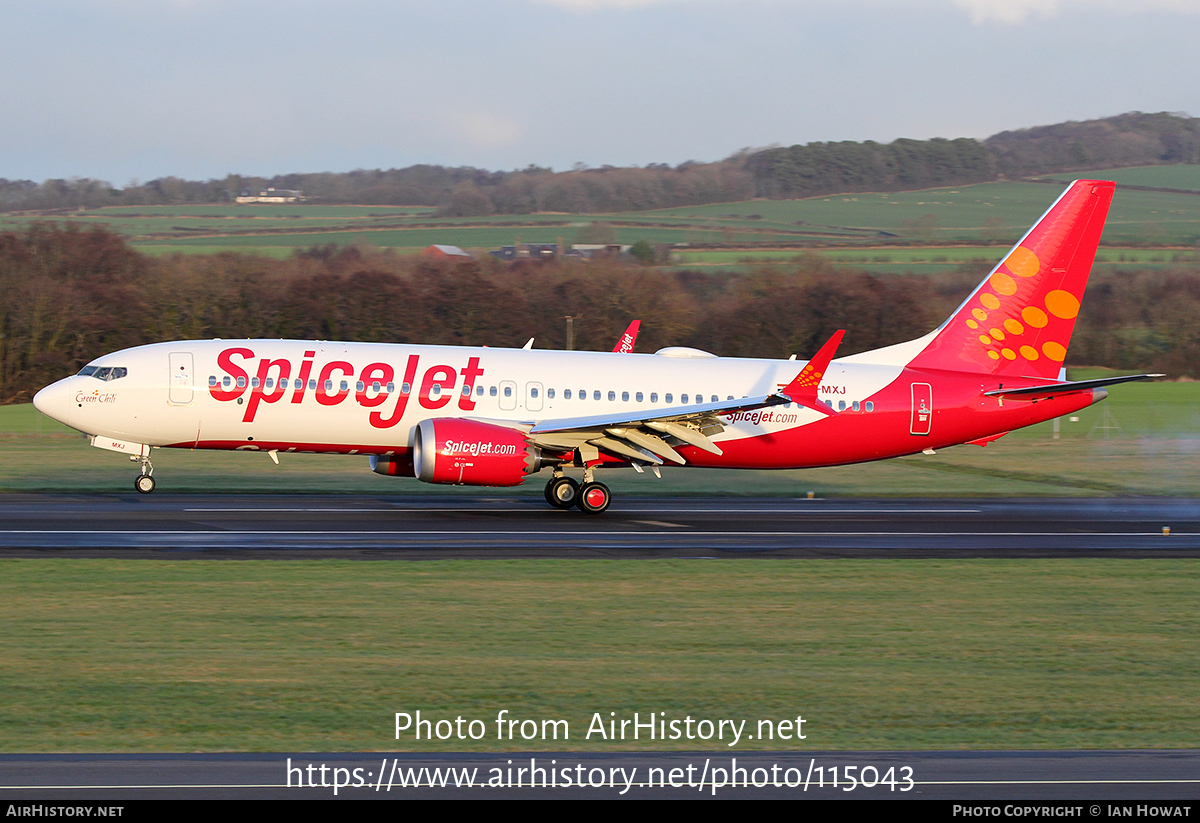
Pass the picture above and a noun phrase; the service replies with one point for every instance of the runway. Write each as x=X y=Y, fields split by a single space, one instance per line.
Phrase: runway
x=983 y=776
x=436 y=527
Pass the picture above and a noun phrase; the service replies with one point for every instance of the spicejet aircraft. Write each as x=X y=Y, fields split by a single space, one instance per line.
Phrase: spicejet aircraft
x=494 y=417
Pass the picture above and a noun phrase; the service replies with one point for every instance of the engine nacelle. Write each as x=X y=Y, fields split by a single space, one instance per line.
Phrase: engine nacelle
x=470 y=453
x=393 y=465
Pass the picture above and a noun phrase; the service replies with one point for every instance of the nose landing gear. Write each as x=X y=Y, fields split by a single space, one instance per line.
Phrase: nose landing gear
x=144 y=482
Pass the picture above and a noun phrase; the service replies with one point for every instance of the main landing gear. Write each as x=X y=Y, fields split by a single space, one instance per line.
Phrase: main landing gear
x=562 y=492
x=144 y=482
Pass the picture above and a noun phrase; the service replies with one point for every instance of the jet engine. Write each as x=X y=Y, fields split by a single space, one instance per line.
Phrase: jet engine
x=471 y=453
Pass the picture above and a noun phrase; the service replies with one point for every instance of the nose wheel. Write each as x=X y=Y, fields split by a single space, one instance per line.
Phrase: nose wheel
x=144 y=482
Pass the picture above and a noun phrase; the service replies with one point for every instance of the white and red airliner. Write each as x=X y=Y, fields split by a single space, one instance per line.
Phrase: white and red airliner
x=495 y=417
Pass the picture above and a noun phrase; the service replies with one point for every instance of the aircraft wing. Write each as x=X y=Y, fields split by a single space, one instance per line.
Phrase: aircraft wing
x=648 y=436
x=651 y=436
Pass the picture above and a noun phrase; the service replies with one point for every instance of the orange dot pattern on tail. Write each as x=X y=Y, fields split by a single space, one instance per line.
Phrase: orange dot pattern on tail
x=1020 y=319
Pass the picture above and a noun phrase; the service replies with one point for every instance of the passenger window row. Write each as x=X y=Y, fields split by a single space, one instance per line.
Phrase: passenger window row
x=492 y=391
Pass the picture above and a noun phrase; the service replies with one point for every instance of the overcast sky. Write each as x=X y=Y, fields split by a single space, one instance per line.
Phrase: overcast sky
x=138 y=89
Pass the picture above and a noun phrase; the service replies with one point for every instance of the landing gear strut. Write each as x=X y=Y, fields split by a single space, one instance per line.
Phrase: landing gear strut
x=561 y=491
x=144 y=482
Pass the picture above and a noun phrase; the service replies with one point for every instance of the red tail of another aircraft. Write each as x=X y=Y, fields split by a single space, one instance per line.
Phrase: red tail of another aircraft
x=1018 y=321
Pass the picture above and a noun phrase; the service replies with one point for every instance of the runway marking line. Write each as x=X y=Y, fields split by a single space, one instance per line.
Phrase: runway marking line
x=653 y=511
x=581 y=532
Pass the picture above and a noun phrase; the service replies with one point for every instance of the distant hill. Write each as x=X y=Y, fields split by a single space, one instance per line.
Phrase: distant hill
x=1133 y=139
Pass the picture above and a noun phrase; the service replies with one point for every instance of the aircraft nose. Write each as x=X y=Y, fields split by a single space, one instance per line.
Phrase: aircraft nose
x=55 y=401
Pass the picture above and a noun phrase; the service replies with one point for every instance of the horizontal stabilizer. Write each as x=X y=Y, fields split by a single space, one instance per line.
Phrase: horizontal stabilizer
x=1056 y=389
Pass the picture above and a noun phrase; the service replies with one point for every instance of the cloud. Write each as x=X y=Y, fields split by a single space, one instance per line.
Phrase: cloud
x=1013 y=12
x=485 y=130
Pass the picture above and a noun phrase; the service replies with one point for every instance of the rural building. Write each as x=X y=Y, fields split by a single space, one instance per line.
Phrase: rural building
x=440 y=252
x=271 y=195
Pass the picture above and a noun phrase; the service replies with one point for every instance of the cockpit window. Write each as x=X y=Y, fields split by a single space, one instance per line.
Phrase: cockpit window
x=105 y=373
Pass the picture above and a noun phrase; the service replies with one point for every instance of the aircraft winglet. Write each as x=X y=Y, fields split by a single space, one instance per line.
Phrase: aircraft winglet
x=625 y=344
x=803 y=389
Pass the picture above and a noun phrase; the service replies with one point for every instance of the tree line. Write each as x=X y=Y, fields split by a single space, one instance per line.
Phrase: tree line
x=780 y=172
x=71 y=295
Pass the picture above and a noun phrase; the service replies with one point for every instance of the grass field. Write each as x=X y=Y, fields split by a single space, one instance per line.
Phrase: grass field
x=994 y=212
x=317 y=656
x=1162 y=177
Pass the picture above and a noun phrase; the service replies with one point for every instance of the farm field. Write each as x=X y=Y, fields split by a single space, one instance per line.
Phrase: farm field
x=968 y=215
x=1162 y=177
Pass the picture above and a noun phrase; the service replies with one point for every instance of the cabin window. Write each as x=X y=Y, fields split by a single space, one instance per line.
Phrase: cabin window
x=638 y=397
x=714 y=398
x=436 y=390
x=328 y=385
x=212 y=381
x=508 y=391
x=375 y=386
x=391 y=387
x=653 y=397
x=360 y=386
x=730 y=397
x=492 y=391
x=241 y=382
x=312 y=385
x=869 y=406
x=854 y=405
x=566 y=394
x=596 y=394
x=254 y=382
x=683 y=398
x=533 y=392
x=466 y=390
x=479 y=391
x=841 y=405
x=225 y=381
x=670 y=398
x=270 y=383
x=549 y=394
x=612 y=395
x=624 y=397
x=344 y=387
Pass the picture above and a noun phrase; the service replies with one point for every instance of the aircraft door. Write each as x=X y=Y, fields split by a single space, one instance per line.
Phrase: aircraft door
x=922 y=408
x=533 y=396
x=179 y=392
x=508 y=395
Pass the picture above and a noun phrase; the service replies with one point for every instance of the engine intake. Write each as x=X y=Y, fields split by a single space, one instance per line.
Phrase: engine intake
x=471 y=453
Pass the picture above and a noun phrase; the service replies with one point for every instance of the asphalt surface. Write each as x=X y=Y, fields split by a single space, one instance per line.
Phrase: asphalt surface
x=431 y=527
x=994 y=776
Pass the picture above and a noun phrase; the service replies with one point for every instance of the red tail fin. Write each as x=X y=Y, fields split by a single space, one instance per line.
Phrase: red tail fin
x=1019 y=320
